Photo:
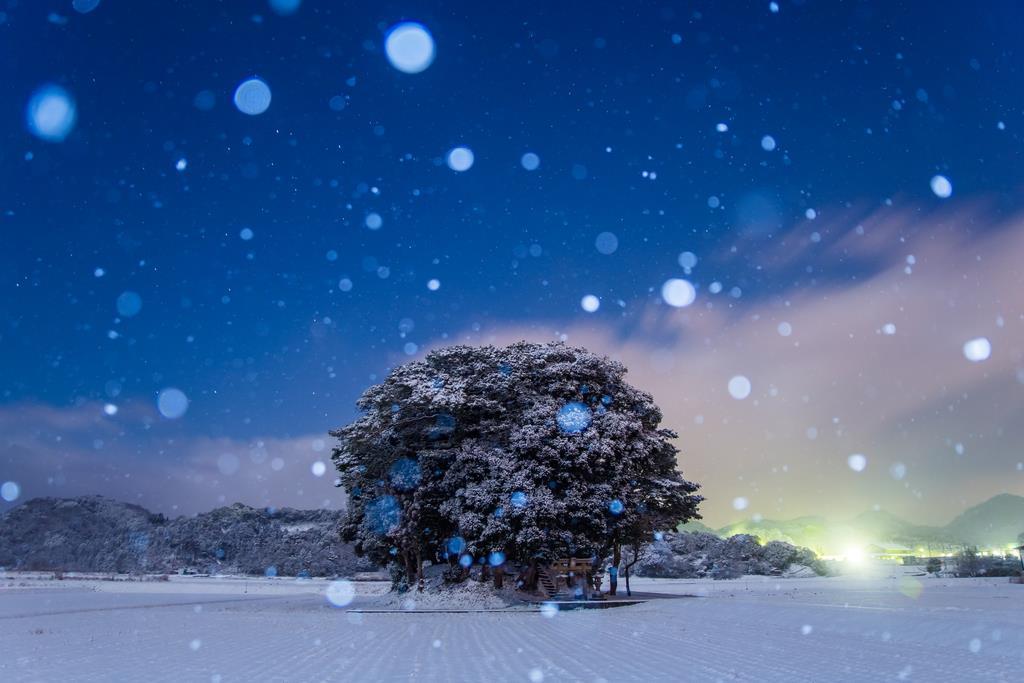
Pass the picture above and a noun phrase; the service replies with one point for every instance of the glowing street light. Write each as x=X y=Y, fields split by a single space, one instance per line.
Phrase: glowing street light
x=854 y=555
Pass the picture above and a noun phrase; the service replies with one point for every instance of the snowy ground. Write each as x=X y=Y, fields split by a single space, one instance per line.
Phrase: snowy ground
x=886 y=627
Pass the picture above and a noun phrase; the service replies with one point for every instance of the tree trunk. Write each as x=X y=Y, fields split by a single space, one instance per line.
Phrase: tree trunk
x=637 y=553
x=613 y=571
x=530 y=577
x=499 y=576
x=419 y=569
x=407 y=565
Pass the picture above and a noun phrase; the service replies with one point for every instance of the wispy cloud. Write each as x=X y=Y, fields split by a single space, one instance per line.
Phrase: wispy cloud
x=140 y=457
x=839 y=383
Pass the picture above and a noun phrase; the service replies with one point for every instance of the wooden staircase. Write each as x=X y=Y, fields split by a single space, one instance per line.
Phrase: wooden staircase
x=549 y=586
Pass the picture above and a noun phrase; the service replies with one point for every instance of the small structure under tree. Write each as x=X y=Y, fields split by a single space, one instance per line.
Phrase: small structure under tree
x=508 y=459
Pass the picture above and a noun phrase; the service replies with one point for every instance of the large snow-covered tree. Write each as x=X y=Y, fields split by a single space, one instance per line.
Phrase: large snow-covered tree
x=528 y=452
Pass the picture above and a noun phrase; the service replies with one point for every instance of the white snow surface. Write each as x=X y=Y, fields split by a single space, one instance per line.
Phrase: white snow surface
x=470 y=595
x=889 y=626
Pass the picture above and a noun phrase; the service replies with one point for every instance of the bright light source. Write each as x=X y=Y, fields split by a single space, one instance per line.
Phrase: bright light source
x=854 y=555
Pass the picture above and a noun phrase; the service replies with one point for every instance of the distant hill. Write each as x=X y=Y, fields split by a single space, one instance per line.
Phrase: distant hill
x=93 y=533
x=810 y=532
x=695 y=527
x=996 y=523
x=886 y=528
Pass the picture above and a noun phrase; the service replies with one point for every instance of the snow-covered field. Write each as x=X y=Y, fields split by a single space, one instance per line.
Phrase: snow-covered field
x=887 y=627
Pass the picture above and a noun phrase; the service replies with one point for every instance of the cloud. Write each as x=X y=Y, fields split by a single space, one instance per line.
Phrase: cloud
x=840 y=383
x=139 y=457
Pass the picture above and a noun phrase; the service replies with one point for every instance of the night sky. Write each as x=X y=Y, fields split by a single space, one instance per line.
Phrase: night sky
x=789 y=160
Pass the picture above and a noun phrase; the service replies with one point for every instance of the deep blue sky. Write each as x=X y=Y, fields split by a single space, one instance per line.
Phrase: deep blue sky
x=866 y=101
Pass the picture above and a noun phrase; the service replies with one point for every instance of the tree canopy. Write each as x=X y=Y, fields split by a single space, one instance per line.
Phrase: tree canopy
x=528 y=452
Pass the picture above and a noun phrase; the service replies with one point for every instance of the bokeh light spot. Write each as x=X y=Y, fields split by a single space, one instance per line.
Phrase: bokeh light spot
x=739 y=387
x=252 y=97
x=409 y=47
x=574 y=417
x=172 y=403
x=678 y=292
x=51 y=113
x=460 y=159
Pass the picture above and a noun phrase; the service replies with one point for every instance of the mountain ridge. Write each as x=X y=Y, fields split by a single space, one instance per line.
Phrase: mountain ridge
x=995 y=523
x=95 y=533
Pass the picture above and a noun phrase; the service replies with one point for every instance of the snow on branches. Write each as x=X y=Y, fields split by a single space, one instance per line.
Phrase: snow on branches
x=482 y=455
